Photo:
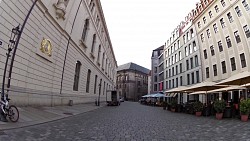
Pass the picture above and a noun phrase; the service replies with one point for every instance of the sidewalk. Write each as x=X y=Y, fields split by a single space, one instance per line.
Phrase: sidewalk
x=37 y=115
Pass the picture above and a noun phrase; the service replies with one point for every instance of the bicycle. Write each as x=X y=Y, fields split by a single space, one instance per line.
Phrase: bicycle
x=9 y=111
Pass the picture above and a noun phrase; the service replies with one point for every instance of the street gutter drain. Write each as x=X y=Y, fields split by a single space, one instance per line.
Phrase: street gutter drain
x=68 y=113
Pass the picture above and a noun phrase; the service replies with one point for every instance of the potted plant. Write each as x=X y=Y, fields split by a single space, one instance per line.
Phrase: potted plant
x=173 y=105
x=164 y=105
x=198 y=107
x=219 y=106
x=244 y=109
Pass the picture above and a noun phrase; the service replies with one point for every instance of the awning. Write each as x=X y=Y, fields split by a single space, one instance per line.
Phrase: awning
x=237 y=79
x=204 y=86
x=174 y=94
x=158 y=95
x=198 y=92
x=230 y=88
x=176 y=90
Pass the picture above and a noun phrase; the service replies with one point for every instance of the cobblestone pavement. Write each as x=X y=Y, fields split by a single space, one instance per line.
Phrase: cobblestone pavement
x=133 y=122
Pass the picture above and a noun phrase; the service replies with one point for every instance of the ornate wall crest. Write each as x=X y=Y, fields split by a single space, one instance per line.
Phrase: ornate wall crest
x=46 y=47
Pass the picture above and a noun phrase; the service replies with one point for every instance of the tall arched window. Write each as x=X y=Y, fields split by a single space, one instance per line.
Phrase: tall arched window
x=98 y=56
x=93 y=43
x=88 y=81
x=85 y=29
x=77 y=75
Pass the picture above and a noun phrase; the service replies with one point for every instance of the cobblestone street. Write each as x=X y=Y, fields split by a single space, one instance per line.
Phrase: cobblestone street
x=132 y=121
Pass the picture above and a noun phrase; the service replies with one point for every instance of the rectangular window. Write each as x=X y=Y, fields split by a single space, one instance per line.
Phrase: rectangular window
x=172 y=49
x=169 y=83
x=169 y=71
x=190 y=49
x=216 y=8
x=215 y=28
x=172 y=83
x=188 y=79
x=176 y=58
x=180 y=67
x=224 y=68
x=166 y=73
x=208 y=33
x=186 y=51
x=237 y=9
x=202 y=37
x=212 y=50
x=207 y=72
x=243 y=60
x=233 y=65
x=166 y=84
x=173 y=71
x=199 y=24
x=222 y=23
x=223 y=3
x=230 y=17
x=172 y=60
x=178 y=43
x=187 y=64
x=247 y=32
x=197 y=77
x=176 y=69
x=215 y=70
x=237 y=37
x=85 y=29
x=204 y=20
x=229 y=44
x=205 y=53
x=196 y=61
x=192 y=77
x=184 y=39
x=210 y=14
x=88 y=81
x=181 y=81
x=175 y=47
x=176 y=82
x=245 y=4
x=191 y=63
x=180 y=57
x=194 y=46
x=220 y=46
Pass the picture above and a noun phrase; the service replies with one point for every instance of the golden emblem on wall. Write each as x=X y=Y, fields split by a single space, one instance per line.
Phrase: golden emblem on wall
x=46 y=47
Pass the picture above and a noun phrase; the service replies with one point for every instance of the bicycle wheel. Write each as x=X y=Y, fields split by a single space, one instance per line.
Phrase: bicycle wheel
x=13 y=113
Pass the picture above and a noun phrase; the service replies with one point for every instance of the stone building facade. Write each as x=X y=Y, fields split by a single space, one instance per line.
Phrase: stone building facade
x=132 y=81
x=65 y=52
x=224 y=36
x=182 y=59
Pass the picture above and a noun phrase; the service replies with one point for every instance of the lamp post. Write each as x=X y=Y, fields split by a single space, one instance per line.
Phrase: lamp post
x=15 y=32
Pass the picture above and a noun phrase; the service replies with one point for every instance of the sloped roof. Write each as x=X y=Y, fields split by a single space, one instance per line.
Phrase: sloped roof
x=133 y=66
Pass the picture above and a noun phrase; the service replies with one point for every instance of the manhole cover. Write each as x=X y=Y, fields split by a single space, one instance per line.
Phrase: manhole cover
x=68 y=113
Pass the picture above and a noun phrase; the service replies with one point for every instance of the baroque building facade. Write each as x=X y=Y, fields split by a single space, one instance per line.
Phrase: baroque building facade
x=132 y=81
x=223 y=30
x=64 y=53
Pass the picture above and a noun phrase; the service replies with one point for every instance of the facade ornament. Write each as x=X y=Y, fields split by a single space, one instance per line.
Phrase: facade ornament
x=61 y=8
x=46 y=47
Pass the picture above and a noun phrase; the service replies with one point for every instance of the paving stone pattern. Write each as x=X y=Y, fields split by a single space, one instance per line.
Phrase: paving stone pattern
x=133 y=122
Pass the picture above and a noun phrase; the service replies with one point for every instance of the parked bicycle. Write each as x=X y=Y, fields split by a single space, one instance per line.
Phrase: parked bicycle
x=9 y=111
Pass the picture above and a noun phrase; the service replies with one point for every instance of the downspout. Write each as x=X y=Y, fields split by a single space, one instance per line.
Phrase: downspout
x=64 y=62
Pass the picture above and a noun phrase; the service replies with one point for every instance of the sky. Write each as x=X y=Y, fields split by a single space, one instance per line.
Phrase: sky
x=137 y=27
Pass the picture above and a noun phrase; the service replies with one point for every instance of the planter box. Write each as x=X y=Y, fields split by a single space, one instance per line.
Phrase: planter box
x=198 y=114
x=219 y=116
x=244 y=118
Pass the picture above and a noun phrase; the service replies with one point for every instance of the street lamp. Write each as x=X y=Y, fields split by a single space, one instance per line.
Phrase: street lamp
x=15 y=32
